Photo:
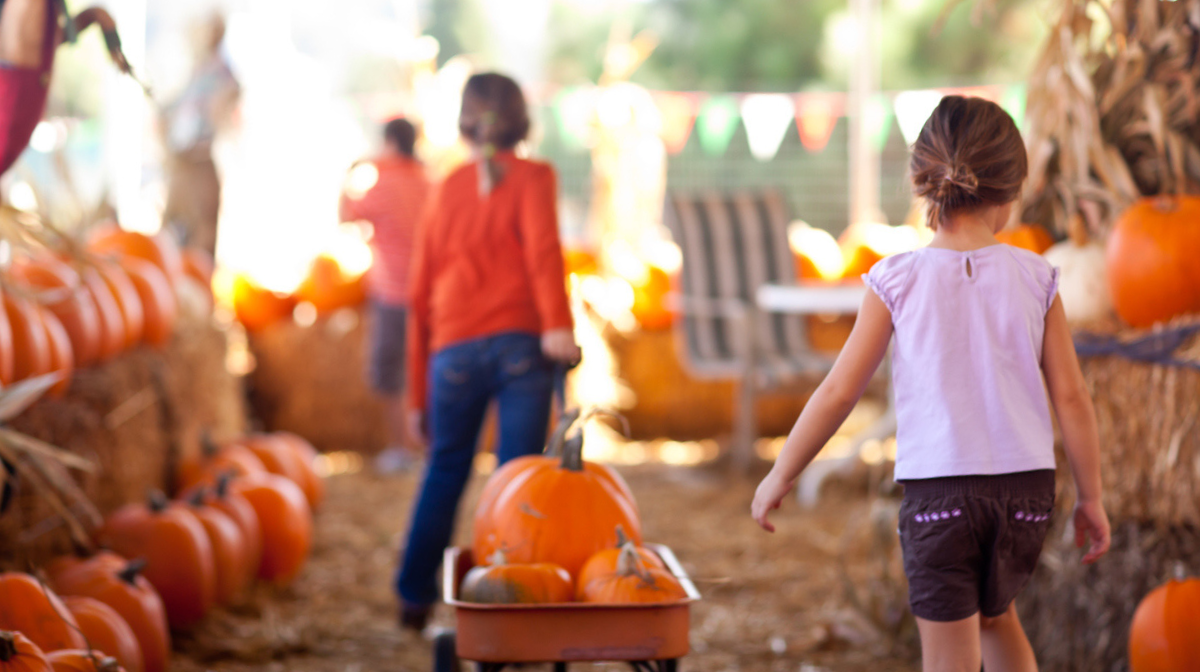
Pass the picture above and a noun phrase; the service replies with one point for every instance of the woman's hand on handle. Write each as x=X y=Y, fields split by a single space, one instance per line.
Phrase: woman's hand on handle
x=559 y=345
x=1091 y=528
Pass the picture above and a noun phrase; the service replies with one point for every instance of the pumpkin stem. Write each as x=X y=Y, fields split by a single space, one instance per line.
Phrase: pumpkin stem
x=157 y=501
x=208 y=447
x=498 y=558
x=132 y=570
x=628 y=562
x=196 y=499
x=8 y=646
x=622 y=539
x=554 y=447
x=572 y=452
x=106 y=664
x=222 y=487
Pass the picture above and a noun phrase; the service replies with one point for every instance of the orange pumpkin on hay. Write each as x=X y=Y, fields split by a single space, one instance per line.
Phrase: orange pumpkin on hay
x=328 y=286
x=1151 y=260
x=1162 y=637
x=1027 y=237
x=257 y=308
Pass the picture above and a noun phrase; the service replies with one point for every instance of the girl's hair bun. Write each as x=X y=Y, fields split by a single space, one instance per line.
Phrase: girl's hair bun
x=969 y=154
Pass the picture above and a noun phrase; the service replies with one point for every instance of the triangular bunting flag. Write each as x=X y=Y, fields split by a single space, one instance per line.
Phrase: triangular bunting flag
x=1013 y=102
x=766 y=117
x=878 y=120
x=678 y=112
x=716 y=124
x=816 y=116
x=912 y=109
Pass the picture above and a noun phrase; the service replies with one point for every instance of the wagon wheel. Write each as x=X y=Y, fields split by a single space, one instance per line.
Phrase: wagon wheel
x=445 y=654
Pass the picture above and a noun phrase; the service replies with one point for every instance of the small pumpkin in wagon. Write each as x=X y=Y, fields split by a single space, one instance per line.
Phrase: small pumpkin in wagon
x=605 y=562
x=632 y=582
x=499 y=582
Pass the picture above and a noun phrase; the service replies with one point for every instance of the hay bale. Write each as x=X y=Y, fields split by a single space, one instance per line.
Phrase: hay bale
x=1149 y=421
x=311 y=380
x=132 y=417
x=1078 y=616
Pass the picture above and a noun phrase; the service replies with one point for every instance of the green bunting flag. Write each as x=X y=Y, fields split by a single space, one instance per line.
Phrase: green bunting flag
x=716 y=123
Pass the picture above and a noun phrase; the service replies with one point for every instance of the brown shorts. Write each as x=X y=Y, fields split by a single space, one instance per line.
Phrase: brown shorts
x=971 y=543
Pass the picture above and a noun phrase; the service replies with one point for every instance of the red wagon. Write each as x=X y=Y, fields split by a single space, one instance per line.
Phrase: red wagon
x=650 y=637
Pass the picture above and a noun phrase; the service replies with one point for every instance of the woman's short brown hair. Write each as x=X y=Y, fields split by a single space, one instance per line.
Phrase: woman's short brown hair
x=496 y=96
x=969 y=154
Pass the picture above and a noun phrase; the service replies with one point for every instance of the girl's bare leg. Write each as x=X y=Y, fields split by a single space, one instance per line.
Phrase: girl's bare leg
x=1005 y=647
x=952 y=646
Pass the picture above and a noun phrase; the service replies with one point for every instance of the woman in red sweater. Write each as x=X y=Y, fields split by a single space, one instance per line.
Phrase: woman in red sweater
x=489 y=320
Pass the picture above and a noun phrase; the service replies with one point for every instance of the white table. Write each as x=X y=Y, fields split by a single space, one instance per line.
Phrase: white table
x=816 y=300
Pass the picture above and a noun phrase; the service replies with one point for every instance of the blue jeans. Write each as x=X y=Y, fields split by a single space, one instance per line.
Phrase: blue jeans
x=463 y=378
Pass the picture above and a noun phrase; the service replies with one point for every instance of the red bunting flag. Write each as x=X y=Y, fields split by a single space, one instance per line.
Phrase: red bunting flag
x=816 y=115
x=678 y=113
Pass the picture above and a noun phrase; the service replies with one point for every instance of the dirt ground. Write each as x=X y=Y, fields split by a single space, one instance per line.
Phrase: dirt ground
x=770 y=602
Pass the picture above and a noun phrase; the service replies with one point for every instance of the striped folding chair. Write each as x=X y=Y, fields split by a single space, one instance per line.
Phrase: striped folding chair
x=732 y=244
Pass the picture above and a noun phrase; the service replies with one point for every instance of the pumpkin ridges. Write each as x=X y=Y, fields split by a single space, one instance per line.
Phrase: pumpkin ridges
x=19 y=654
x=229 y=548
x=62 y=358
x=179 y=555
x=161 y=250
x=305 y=454
x=33 y=609
x=104 y=629
x=111 y=321
x=66 y=297
x=119 y=584
x=159 y=307
x=31 y=345
x=128 y=300
x=286 y=523
x=238 y=508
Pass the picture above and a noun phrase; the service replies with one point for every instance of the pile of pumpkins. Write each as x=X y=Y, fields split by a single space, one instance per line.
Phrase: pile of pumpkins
x=554 y=528
x=119 y=290
x=244 y=514
x=328 y=286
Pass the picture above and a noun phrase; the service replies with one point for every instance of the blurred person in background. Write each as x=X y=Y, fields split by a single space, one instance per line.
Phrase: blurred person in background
x=190 y=124
x=489 y=319
x=389 y=192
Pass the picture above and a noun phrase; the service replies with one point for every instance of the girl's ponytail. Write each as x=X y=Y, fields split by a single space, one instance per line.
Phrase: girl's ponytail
x=969 y=154
x=494 y=118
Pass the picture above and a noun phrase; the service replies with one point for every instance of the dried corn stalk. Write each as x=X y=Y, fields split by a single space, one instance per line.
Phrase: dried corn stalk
x=1112 y=112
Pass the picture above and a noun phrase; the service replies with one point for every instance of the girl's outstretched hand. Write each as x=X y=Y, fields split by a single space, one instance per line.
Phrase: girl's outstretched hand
x=767 y=498
x=1091 y=527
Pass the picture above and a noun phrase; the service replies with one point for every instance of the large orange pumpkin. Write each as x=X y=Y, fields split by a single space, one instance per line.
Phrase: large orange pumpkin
x=106 y=630
x=178 y=553
x=631 y=581
x=286 y=523
x=62 y=291
x=79 y=660
x=329 y=287
x=536 y=516
x=159 y=307
x=160 y=250
x=1026 y=236
x=33 y=609
x=213 y=460
x=605 y=562
x=62 y=359
x=238 y=508
x=229 y=548
x=127 y=298
x=112 y=321
x=311 y=482
x=1162 y=637
x=118 y=583
x=30 y=345
x=1152 y=251
x=19 y=654
x=499 y=582
x=257 y=308
x=6 y=347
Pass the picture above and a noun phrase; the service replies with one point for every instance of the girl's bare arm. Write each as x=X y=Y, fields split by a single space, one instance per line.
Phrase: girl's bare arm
x=1077 y=419
x=828 y=407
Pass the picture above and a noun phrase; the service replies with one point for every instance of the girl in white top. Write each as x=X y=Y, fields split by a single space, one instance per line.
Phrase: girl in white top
x=977 y=327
